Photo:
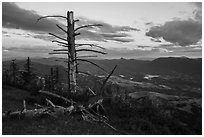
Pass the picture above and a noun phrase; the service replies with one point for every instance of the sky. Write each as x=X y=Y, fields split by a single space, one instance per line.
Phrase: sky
x=130 y=29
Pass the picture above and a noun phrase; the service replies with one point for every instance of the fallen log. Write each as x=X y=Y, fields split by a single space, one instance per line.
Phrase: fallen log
x=27 y=114
x=52 y=111
x=56 y=96
x=59 y=110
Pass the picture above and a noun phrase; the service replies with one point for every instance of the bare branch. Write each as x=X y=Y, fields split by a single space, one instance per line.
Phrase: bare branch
x=67 y=53
x=84 y=60
x=62 y=45
x=58 y=53
x=76 y=34
x=50 y=102
x=60 y=42
x=61 y=28
x=87 y=26
x=50 y=17
x=91 y=50
x=98 y=46
x=60 y=50
x=76 y=20
x=57 y=36
x=101 y=116
x=38 y=105
x=92 y=45
x=104 y=83
x=92 y=91
x=110 y=126
x=86 y=73
x=55 y=95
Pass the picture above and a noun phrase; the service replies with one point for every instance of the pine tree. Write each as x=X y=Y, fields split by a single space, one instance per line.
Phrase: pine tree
x=13 y=71
x=27 y=74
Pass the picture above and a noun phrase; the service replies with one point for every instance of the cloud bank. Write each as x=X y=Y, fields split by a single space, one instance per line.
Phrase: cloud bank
x=178 y=32
x=17 y=18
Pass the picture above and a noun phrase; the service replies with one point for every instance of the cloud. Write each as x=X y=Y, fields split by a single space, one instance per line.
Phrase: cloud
x=168 y=45
x=191 y=51
x=149 y=23
x=104 y=37
x=194 y=50
x=127 y=28
x=88 y=35
x=178 y=32
x=106 y=28
x=122 y=40
x=120 y=37
x=136 y=53
x=141 y=46
x=106 y=32
x=163 y=50
x=155 y=40
x=4 y=32
x=18 y=18
x=15 y=17
x=114 y=35
x=45 y=37
x=7 y=35
x=198 y=11
x=29 y=49
x=144 y=51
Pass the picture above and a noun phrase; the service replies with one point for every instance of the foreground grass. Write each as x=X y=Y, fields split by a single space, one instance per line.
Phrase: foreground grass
x=128 y=117
x=48 y=126
x=72 y=125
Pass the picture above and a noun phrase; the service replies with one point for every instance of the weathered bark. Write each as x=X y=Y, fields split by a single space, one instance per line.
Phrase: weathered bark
x=57 y=111
x=71 y=43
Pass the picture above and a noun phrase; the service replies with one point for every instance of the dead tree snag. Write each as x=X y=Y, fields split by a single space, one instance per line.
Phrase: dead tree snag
x=71 y=47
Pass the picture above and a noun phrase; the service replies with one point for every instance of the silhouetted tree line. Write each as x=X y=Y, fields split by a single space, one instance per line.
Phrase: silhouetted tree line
x=27 y=79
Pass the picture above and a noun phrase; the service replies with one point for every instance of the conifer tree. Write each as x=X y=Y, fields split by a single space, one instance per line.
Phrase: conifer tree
x=13 y=70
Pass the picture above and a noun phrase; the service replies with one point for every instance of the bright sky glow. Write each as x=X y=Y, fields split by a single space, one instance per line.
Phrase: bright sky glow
x=142 y=16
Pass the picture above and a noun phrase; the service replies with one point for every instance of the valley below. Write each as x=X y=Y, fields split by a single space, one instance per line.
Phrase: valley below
x=163 y=96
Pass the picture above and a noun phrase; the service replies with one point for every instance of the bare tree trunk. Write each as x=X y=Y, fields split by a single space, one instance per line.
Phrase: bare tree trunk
x=71 y=44
x=68 y=57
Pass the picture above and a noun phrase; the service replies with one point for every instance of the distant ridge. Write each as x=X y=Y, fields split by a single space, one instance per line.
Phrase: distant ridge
x=163 y=65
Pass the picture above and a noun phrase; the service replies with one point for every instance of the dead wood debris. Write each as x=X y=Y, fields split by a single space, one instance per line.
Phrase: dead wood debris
x=91 y=113
x=51 y=110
